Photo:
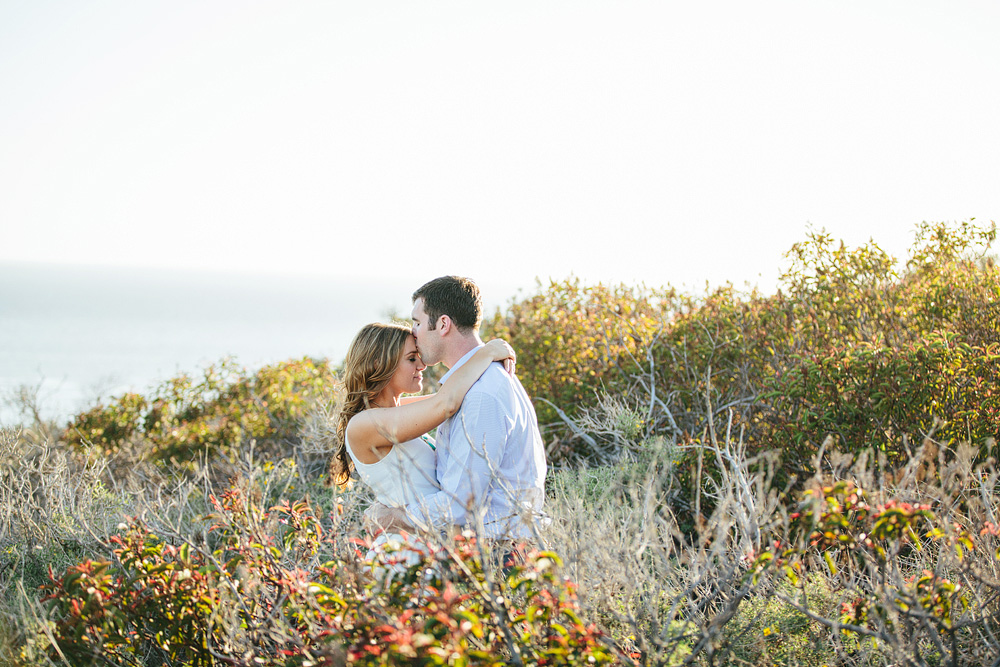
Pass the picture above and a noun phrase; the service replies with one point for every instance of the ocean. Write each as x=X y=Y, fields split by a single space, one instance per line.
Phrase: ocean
x=77 y=334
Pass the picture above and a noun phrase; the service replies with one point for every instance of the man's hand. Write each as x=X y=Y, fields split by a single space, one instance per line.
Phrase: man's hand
x=379 y=518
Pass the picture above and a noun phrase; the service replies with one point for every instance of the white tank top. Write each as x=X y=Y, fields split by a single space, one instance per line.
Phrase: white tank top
x=405 y=474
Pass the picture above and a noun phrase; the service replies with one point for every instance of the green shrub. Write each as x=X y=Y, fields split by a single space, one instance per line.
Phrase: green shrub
x=183 y=419
x=875 y=395
x=851 y=346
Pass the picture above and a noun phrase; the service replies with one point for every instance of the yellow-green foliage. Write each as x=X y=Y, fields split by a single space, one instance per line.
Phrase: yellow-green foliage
x=872 y=394
x=849 y=347
x=225 y=408
x=571 y=337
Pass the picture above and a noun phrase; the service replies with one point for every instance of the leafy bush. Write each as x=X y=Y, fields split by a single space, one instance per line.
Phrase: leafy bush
x=571 y=337
x=848 y=347
x=876 y=395
x=183 y=419
x=279 y=586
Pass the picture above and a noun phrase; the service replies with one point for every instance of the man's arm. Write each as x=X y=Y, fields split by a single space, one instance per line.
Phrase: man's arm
x=477 y=437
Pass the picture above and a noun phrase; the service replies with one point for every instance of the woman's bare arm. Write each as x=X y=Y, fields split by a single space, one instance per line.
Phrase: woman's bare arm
x=379 y=427
x=413 y=399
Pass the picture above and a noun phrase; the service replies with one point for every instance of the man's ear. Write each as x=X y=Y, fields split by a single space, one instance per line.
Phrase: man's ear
x=444 y=324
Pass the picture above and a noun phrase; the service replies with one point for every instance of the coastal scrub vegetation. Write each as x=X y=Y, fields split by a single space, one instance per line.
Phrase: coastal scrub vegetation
x=806 y=477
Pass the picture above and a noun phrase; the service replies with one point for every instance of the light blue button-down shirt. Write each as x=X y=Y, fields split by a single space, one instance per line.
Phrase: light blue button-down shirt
x=490 y=460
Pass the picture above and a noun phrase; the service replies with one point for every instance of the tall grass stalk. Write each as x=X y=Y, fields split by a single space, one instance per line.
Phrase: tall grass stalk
x=667 y=547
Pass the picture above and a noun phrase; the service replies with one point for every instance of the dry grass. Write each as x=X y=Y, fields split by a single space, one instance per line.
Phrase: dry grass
x=663 y=568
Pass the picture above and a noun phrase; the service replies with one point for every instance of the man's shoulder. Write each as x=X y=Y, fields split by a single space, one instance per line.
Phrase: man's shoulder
x=495 y=383
x=492 y=378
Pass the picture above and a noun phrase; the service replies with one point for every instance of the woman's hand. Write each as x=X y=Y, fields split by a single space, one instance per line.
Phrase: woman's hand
x=502 y=351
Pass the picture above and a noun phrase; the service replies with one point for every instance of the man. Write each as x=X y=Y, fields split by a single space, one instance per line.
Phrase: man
x=490 y=457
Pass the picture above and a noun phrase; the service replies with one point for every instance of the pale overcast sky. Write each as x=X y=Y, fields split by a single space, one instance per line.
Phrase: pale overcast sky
x=656 y=142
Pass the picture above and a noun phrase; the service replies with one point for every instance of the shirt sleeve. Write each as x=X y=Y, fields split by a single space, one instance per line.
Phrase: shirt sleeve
x=477 y=436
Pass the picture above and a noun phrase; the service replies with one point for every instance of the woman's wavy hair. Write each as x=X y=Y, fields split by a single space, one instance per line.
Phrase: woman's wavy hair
x=371 y=361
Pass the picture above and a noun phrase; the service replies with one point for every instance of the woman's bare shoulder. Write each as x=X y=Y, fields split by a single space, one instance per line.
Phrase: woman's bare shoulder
x=362 y=438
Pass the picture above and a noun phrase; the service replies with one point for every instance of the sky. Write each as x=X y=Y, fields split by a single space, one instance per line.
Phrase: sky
x=681 y=143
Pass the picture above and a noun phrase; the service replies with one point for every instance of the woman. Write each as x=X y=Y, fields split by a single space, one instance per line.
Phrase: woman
x=381 y=434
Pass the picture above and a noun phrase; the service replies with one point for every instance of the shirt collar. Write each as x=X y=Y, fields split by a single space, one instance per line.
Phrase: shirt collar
x=468 y=355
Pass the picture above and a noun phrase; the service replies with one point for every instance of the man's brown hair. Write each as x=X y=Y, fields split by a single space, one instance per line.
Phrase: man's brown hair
x=456 y=297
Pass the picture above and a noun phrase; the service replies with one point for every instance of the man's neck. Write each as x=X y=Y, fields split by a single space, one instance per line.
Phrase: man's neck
x=462 y=347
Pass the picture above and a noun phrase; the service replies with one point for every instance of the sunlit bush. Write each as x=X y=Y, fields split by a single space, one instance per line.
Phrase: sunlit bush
x=215 y=415
x=570 y=338
x=852 y=346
